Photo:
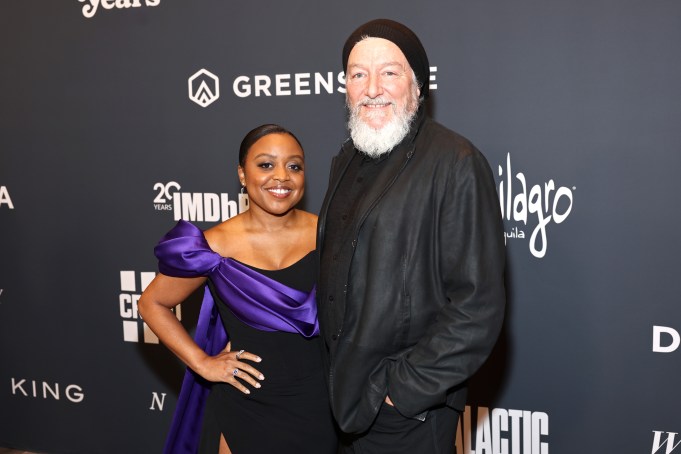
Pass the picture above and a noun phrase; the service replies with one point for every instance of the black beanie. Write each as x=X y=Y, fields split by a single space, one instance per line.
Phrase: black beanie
x=402 y=37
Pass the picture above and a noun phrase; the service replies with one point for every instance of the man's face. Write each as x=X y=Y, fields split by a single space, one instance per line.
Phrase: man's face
x=379 y=82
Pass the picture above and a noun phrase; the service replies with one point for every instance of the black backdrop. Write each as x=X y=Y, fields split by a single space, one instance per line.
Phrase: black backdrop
x=576 y=104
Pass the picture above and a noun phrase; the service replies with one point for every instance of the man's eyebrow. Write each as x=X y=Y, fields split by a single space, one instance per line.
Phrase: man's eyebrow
x=382 y=65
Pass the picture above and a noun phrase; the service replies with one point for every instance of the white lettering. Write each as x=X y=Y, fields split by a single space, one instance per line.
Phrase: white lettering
x=499 y=424
x=164 y=191
x=483 y=434
x=320 y=81
x=191 y=206
x=669 y=441
x=123 y=301
x=211 y=207
x=540 y=426
x=657 y=339
x=281 y=82
x=301 y=81
x=90 y=9
x=18 y=386
x=5 y=198
x=203 y=207
x=157 y=401
x=341 y=81
x=262 y=85
x=74 y=393
x=229 y=208
x=515 y=416
x=54 y=392
x=241 y=87
x=544 y=202
x=128 y=305
x=494 y=432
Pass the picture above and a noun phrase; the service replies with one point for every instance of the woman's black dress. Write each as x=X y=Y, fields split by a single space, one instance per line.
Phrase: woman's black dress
x=290 y=413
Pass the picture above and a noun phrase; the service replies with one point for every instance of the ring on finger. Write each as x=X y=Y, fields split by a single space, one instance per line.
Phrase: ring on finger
x=236 y=371
x=238 y=355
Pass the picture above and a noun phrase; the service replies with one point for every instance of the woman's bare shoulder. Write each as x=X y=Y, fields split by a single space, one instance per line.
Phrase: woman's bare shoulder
x=222 y=237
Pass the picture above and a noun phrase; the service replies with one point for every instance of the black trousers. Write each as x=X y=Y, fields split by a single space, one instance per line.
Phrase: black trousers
x=392 y=433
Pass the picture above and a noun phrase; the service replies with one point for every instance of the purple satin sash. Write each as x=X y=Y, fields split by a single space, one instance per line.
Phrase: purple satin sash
x=255 y=299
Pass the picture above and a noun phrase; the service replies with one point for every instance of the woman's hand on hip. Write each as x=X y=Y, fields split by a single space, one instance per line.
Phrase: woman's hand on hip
x=229 y=367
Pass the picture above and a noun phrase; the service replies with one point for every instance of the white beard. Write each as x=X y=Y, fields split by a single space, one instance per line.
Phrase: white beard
x=376 y=142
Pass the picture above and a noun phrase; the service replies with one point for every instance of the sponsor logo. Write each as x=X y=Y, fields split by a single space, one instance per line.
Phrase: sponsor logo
x=5 y=199
x=204 y=87
x=127 y=303
x=500 y=430
x=45 y=390
x=540 y=204
x=299 y=84
x=91 y=7
x=668 y=443
x=197 y=206
x=157 y=401
x=665 y=339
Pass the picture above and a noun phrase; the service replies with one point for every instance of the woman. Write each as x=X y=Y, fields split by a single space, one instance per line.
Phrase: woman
x=259 y=269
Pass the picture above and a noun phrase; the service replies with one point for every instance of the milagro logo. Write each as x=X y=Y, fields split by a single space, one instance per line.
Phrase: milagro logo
x=665 y=439
x=542 y=204
x=204 y=87
x=92 y=6
x=500 y=430
x=5 y=199
x=197 y=206
x=36 y=389
x=299 y=84
x=127 y=303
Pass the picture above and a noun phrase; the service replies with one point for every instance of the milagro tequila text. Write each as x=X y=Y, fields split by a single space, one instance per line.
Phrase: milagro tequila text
x=520 y=203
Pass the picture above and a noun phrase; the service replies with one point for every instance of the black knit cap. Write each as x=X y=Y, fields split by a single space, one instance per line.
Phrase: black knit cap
x=402 y=37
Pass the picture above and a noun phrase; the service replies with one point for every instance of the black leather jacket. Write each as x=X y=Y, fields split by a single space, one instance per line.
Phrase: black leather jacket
x=418 y=326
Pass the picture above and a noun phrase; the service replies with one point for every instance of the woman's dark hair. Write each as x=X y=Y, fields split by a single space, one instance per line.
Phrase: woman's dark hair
x=258 y=133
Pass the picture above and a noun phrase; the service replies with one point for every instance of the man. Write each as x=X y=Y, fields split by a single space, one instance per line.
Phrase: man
x=411 y=294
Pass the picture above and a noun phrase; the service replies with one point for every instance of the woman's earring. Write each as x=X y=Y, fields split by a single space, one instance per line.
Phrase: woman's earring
x=243 y=199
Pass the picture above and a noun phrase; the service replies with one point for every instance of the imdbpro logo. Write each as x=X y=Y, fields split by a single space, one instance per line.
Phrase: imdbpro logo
x=204 y=87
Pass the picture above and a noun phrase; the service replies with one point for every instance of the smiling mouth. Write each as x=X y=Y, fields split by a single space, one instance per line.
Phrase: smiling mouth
x=279 y=192
x=376 y=105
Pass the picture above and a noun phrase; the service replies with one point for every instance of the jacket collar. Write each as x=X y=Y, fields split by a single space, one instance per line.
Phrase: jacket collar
x=399 y=158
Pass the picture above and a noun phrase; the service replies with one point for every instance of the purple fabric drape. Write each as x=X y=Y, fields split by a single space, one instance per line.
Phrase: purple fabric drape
x=256 y=300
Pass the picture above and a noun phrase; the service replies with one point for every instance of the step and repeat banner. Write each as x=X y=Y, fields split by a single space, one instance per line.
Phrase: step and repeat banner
x=120 y=117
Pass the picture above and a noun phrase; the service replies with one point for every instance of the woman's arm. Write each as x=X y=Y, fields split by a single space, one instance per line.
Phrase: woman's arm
x=166 y=292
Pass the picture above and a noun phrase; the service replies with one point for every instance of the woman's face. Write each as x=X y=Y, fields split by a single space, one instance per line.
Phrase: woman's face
x=273 y=173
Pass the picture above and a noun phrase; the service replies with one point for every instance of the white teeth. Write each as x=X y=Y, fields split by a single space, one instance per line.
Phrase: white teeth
x=280 y=191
